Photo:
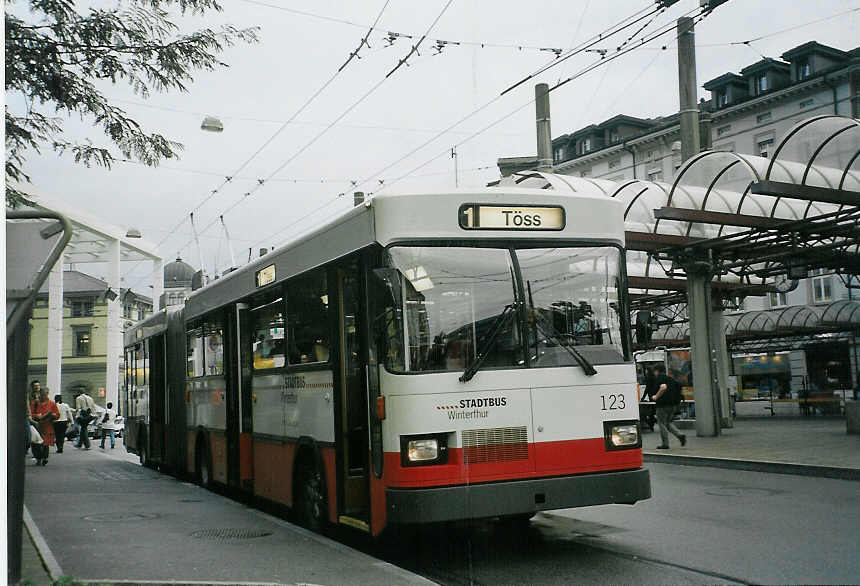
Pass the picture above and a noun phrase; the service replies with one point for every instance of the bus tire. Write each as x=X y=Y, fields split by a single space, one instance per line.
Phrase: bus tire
x=310 y=498
x=204 y=463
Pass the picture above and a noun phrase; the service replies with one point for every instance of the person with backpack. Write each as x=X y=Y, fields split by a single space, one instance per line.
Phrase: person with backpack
x=667 y=399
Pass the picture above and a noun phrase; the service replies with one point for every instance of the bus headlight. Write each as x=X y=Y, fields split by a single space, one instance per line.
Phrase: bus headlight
x=423 y=449
x=624 y=435
x=620 y=435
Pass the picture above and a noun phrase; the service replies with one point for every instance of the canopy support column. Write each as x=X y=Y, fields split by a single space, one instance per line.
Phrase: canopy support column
x=114 y=334
x=699 y=274
x=720 y=363
x=157 y=283
x=53 y=374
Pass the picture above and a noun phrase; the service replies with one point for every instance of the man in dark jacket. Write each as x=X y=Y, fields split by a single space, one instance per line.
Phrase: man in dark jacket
x=667 y=399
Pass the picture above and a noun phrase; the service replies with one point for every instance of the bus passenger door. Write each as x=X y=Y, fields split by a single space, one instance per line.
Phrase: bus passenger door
x=352 y=432
x=239 y=445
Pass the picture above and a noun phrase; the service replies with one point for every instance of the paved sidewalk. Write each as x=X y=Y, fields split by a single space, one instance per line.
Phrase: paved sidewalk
x=99 y=518
x=815 y=446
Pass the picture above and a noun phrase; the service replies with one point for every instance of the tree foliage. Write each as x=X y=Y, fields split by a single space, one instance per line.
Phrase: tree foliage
x=57 y=56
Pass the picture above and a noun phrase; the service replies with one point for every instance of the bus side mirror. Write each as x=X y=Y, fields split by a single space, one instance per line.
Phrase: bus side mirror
x=391 y=278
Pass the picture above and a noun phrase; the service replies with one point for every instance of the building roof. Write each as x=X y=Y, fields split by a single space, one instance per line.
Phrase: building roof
x=76 y=282
x=724 y=79
x=625 y=119
x=764 y=64
x=178 y=274
x=813 y=47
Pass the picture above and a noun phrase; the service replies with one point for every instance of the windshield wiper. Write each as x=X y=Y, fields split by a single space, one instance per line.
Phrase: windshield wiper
x=550 y=332
x=487 y=344
x=553 y=336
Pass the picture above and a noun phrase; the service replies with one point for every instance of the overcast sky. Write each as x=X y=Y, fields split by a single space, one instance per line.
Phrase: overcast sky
x=268 y=82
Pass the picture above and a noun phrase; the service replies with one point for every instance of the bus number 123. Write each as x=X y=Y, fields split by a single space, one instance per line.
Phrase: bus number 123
x=615 y=402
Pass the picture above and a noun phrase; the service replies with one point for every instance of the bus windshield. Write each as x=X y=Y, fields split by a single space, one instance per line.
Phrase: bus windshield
x=566 y=301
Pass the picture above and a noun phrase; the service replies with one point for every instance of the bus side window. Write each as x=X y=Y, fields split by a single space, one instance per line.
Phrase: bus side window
x=307 y=318
x=194 y=346
x=267 y=345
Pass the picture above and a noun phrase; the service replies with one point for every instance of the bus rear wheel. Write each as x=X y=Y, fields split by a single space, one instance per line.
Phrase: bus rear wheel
x=310 y=498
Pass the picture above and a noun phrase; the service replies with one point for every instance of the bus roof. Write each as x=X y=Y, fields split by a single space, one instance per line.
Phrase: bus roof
x=408 y=217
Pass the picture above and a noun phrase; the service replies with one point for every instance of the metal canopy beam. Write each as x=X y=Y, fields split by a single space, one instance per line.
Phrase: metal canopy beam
x=665 y=284
x=722 y=218
x=806 y=192
x=648 y=241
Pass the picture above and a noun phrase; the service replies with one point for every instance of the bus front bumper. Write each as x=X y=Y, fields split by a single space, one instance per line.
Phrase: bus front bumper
x=494 y=499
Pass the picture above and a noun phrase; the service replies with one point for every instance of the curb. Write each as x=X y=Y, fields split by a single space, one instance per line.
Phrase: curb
x=756 y=466
x=42 y=548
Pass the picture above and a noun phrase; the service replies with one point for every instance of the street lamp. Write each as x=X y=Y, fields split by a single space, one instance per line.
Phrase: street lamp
x=212 y=124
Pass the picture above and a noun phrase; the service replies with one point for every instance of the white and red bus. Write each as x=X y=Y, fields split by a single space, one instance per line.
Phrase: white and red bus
x=421 y=358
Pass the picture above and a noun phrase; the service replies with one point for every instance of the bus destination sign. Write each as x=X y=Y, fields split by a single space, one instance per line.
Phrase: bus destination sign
x=474 y=216
x=266 y=275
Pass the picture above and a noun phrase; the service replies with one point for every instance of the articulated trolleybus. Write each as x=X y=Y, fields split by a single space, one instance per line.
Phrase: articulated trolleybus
x=421 y=358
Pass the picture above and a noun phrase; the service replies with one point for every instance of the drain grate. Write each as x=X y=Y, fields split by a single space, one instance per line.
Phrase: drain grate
x=230 y=533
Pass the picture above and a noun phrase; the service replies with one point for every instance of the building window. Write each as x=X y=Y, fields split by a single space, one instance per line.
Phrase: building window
x=141 y=313
x=649 y=155
x=722 y=98
x=614 y=163
x=83 y=346
x=764 y=147
x=777 y=299
x=723 y=129
x=82 y=308
x=558 y=154
x=803 y=69
x=763 y=117
x=806 y=103
x=613 y=136
x=761 y=83
x=585 y=173
x=822 y=287
x=655 y=175
x=126 y=311
x=586 y=145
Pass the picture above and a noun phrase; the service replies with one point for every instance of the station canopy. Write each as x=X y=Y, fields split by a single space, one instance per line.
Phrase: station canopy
x=758 y=217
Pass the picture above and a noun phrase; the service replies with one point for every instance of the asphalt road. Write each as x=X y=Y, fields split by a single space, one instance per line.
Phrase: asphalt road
x=703 y=526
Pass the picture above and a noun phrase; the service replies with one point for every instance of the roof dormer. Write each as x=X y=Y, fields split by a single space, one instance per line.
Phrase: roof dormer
x=766 y=76
x=727 y=90
x=812 y=58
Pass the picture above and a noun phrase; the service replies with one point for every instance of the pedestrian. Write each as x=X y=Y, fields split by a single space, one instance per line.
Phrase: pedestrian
x=62 y=423
x=84 y=401
x=83 y=420
x=44 y=412
x=109 y=427
x=667 y=399
x=650 y=391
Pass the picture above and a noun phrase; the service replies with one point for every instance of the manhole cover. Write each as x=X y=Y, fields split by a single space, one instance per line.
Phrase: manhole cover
x=120 y=517
x=230 y=533
x=735 y=491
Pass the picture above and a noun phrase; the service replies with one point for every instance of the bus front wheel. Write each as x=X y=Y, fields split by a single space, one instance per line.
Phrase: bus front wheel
x=310 y=497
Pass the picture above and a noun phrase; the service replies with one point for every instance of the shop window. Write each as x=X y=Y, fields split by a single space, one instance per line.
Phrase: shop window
x=268 y=345
x=822 y=287
x=83 y=343
x=777 y=299
x=82 y=307
x=764 y=147
x=307 y=319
